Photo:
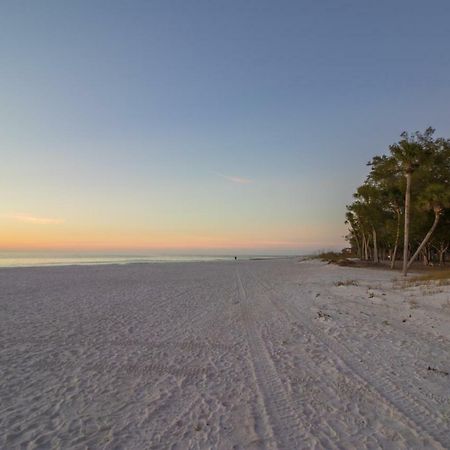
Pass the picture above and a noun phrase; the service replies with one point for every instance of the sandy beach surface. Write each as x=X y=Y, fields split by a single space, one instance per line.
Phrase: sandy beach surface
x=272 y=354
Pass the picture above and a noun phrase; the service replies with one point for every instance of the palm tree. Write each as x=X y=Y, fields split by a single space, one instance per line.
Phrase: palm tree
x=369 y=199
x=409 y=154
x=435 y=197
x=385 y=175
x=417 y=167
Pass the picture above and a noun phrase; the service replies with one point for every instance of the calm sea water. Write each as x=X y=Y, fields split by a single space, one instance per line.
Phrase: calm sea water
x=16 y=259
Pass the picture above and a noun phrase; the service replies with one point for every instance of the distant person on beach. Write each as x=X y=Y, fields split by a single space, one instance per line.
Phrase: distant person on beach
x=235 y=258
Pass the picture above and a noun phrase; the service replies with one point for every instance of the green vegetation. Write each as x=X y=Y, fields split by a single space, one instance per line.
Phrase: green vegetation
x=404 y=203
x=340 y=258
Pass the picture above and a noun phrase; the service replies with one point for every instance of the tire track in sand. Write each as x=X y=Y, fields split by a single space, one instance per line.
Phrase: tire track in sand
x=283 y=427
x=408 y=409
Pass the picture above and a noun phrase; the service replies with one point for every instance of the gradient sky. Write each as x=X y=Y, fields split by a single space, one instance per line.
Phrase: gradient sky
x=206 y=126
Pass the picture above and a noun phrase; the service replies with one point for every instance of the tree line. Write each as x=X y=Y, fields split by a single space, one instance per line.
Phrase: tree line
x=402 y=210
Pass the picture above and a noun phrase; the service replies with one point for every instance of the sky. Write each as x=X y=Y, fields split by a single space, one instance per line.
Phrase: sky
x=206 y=126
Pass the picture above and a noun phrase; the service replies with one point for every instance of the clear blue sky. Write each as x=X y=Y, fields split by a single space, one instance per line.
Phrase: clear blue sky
x=206 y=124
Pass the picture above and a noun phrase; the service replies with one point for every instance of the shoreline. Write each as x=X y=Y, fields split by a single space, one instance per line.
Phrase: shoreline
x=157 y=260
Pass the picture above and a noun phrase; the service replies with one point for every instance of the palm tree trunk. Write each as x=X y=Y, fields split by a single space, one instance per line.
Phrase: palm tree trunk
x=397 y=238
x=426 y=260
x=366 y=248
x=364 y=243
x=375 y=248
x=358 y=246
x=406 y=236
x=361 y=246
x=437 y=215
x=442 y=249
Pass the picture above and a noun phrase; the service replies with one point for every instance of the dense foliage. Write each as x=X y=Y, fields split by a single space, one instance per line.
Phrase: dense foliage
x=402 y=211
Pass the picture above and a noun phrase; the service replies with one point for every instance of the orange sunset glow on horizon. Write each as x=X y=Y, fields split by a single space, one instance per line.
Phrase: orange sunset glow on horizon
x=26 y=232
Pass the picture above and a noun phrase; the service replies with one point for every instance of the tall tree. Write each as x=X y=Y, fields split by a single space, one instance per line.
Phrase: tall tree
x=409 y=153
x=386 y=176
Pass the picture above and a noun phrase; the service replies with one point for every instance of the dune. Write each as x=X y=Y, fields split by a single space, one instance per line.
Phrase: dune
x=270 y=354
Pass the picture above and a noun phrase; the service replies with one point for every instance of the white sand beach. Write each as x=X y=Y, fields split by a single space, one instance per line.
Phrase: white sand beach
x=272 y=354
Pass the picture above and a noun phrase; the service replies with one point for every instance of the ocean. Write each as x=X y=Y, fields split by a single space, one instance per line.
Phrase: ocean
x=24 y=259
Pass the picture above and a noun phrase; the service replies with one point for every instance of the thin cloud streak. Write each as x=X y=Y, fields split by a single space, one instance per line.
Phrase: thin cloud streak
x=234 y=179
x=27 y=218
